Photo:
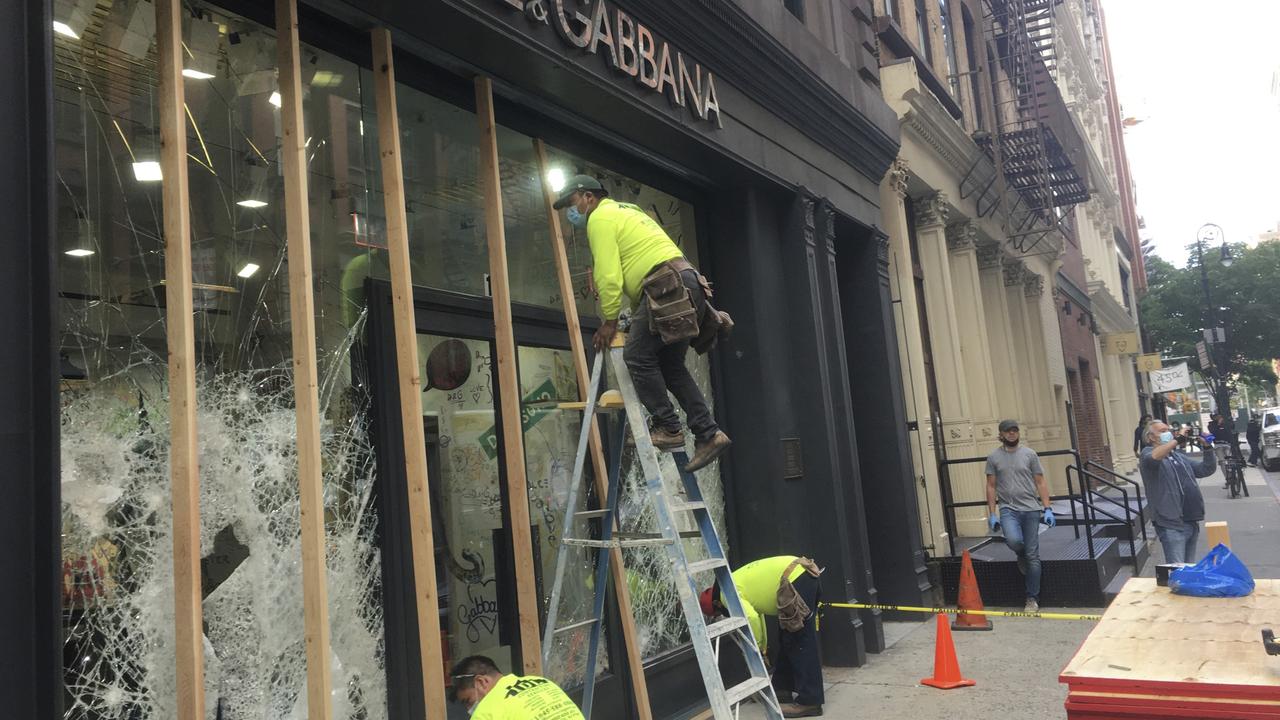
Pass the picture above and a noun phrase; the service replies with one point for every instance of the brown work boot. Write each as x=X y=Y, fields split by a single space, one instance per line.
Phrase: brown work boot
x=667 y=439
x=705 y=451
x=792 y=710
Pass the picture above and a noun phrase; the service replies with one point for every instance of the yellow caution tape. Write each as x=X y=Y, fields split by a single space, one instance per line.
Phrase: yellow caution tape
x=957 y=611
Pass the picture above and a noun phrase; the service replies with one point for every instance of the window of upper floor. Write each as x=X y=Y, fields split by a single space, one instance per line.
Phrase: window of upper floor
x=795 y=7
x=922 y=30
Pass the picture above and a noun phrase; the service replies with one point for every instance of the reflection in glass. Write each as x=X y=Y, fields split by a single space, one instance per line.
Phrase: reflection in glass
x=551 y=445
x=466 y=495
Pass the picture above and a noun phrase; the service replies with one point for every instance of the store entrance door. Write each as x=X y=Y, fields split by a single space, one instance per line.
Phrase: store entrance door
x=467 y=477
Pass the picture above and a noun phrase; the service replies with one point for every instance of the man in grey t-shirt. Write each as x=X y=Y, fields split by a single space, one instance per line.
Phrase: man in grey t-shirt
x=1016 y=480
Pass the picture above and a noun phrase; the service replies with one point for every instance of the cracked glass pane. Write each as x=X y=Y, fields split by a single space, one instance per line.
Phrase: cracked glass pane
x=117 y=594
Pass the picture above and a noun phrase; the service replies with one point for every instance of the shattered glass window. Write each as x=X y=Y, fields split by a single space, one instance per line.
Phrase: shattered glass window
x=117 y=589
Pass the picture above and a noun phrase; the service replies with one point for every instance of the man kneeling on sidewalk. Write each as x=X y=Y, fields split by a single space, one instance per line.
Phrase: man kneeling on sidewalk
x=1016 y=479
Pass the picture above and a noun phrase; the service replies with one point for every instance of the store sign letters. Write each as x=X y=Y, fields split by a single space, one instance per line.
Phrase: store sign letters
x=630 y=48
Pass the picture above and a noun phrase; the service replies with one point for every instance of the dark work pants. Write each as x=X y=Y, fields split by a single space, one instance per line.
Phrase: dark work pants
x=1255 y=452
x=656 y=368
x=799 y=666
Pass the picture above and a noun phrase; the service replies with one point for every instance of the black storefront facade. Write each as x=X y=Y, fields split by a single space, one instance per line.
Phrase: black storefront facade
x=767 y=171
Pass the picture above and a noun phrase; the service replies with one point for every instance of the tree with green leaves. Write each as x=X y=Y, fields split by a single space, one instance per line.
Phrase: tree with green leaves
x=1246 y=302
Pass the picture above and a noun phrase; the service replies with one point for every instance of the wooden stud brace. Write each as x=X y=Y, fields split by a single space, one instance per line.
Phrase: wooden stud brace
x=410 y=383
x=305 y=384
x=184 y=447
x=621 y=588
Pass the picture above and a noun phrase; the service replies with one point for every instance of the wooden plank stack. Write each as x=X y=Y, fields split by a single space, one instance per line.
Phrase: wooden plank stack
x=1155 y=654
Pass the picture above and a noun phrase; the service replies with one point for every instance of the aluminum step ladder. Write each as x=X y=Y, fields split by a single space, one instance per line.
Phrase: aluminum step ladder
x=705 y=638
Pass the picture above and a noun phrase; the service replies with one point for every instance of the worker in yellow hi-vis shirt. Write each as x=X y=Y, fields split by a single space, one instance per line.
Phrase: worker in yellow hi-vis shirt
x=786 y=586
x=634 y=259
x=490 y=695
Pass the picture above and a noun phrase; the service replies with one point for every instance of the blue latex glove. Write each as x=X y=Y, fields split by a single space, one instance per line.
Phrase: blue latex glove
x=994 y=522
x=1049 y=519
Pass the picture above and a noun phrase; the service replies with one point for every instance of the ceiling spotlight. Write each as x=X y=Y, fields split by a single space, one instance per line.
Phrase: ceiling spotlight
x=64 y=29
x=326 y=78
x=147 y=171
x=556 y=179
x=248 y=270
x=251 y=203
x=274 y=99
x=79 y=252
x=195 y=74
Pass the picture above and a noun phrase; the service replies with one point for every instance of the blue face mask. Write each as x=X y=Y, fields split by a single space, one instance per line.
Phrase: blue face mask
x=576 y=218
x=1166 y=437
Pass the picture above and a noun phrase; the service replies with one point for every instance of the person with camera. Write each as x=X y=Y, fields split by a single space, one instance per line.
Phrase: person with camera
x=1174 y=500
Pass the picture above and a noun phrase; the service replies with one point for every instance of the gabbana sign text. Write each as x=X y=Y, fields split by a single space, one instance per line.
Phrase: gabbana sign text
x=629 y=47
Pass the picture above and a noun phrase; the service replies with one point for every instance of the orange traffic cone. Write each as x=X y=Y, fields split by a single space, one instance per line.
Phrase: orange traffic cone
x=946 y=668
x=969 y=599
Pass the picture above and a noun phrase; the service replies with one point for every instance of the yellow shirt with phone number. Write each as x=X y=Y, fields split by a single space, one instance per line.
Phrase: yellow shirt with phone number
x=526 y=697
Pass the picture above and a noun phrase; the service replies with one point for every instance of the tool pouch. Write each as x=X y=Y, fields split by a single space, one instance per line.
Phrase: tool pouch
x=793 y=611
x=672 y=315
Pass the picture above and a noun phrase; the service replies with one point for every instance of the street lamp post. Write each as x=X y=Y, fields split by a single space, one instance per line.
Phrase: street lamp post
x=1210 y=233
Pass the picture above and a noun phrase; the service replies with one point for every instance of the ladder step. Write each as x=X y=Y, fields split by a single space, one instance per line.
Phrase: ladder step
x=680 y=506
x=726 y=626
x=645 y=542
x=575 y=626
x=592 y=513
x=742 y=691
x=704 y=565
x=623 y=535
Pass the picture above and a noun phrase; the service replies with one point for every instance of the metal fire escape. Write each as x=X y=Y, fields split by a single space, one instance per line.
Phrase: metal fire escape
x=1037 y=177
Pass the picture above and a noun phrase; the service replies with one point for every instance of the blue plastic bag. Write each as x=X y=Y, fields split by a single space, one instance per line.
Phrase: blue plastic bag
x=1219 y=574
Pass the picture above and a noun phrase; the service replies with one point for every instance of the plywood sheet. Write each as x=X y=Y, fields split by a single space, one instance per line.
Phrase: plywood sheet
x=1152 y=638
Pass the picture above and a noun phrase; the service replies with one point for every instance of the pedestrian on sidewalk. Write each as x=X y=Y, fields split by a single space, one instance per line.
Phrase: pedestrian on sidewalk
x=1139 y=433
x=787 y=586
x=1253 y=433
x=635 y=260
x=1173 y=495
x=1015 y=480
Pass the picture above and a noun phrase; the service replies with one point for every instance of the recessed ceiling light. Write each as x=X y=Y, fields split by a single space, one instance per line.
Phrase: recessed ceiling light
x=251 y=203
x=555 y=178
x=195 y=74
x=248 y=270
x=274 y=99
x=325 y=78
x=64 y=29
x=147 y=171
x=79 y=252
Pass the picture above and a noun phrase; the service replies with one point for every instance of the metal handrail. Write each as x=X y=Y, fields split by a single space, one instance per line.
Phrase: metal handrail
x=1128 y=519
x=949 y=506
x=1137 y=488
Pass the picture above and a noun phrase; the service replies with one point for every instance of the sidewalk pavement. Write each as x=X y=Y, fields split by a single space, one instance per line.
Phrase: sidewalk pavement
x=1016 y=665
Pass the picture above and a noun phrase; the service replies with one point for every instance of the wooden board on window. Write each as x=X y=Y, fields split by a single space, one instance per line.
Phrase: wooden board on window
x=184 y=448
x=422 y=546
x=508 y=384
x=601 y=470
x=315 y=596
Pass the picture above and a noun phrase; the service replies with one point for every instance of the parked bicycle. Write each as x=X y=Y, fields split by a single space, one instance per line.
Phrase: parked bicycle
x=1233 y=469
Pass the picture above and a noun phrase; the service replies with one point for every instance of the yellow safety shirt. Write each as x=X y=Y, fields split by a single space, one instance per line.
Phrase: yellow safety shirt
x=526 y=697
x=757 y=584
x=625 y=245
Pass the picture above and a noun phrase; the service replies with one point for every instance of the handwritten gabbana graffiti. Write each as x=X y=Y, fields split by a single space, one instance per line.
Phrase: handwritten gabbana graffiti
x=632 y=50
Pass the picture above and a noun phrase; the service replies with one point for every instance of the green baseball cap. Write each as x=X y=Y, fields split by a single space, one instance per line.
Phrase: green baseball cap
x=575 y=184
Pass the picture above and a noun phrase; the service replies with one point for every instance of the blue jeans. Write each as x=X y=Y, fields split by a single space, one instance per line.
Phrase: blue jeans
x=1022 y=535
x=1179 y=543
